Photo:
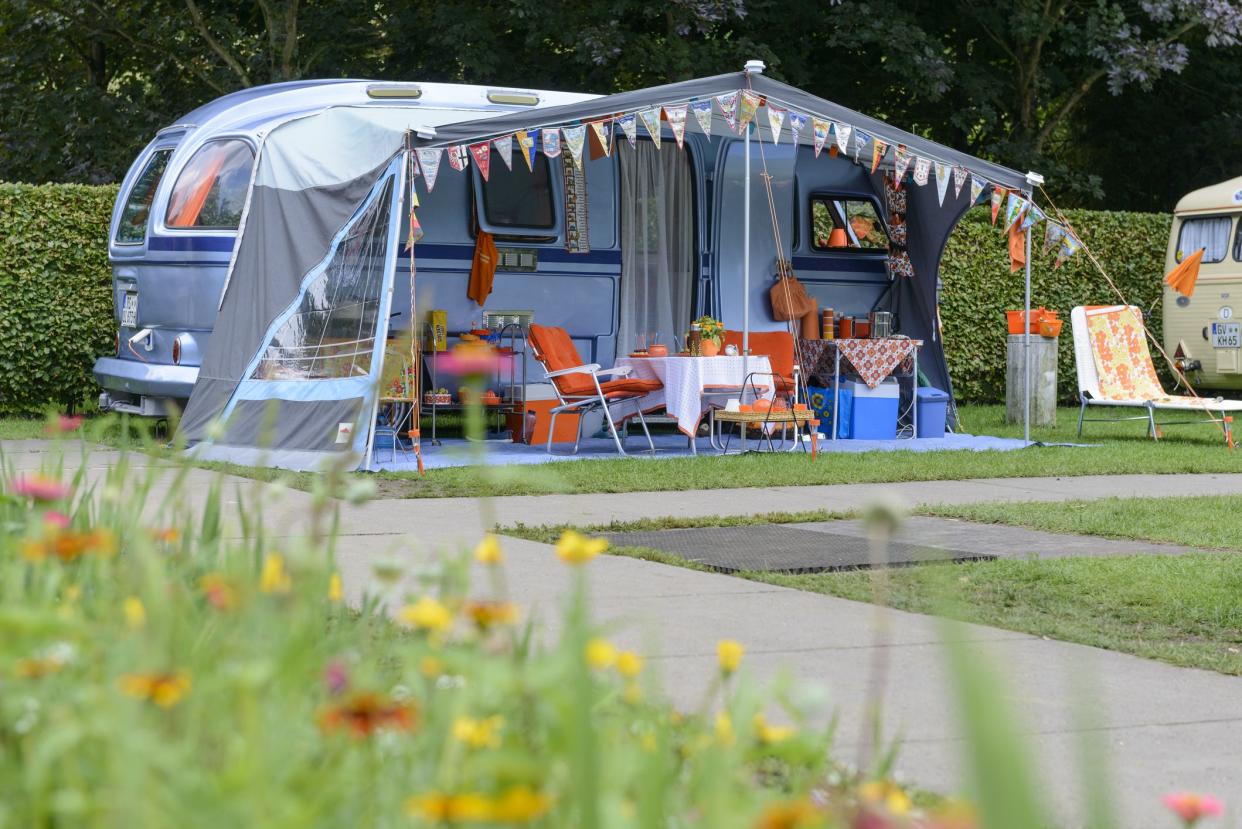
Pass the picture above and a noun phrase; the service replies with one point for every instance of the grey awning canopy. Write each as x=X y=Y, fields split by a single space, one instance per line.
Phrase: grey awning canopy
x=782 y=94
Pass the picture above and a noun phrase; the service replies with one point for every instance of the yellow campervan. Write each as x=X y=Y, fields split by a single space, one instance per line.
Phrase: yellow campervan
x=1203 y=333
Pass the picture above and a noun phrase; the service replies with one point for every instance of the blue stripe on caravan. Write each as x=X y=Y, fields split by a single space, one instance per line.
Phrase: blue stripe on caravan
x=191 y=243
x=841 y=264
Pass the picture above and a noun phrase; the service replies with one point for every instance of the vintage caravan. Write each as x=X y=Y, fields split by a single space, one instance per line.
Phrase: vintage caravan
x=1203 y=332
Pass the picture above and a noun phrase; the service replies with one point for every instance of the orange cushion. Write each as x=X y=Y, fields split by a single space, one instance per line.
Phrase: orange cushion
x=777 y=346
x=556 y=351
x=626 y=385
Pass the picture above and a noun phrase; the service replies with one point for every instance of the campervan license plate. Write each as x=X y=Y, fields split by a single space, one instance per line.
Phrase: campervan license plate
x=1226 y=334
x=129 y=311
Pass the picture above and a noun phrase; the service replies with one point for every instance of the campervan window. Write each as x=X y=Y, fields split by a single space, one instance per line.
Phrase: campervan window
x=520 y=198
x=211 y=190
x=1237 y=244
x=844 y=224
x=132 y=228
x=1210 y=233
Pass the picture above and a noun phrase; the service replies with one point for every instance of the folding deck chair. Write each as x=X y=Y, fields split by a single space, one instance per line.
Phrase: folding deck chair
x=1115 y=369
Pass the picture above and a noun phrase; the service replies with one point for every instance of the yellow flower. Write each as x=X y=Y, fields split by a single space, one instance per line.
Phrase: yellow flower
x=895 y=800
x=488 y=614
x=38 y=667
x=484 y=733
x=769 y=734
x=427 y=614
x=729 y=655
x=520 y=804
x=629 y=664
x=488 y=551
x=437 y=807
x=165 y=690
x=274 y=578
x=135 y=613
x=73 y=592
x=575 y=548
x=600 y=654
x=335 y=591
x=724 y=728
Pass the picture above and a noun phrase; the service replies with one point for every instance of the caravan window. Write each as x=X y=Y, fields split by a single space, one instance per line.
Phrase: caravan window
x=519 y=198
x=1210 y=233
x=845 y=224
x=132 y=229
x=211 y=190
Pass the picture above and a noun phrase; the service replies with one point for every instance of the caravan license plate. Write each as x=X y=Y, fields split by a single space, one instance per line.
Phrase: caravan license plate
x=129 y=311
x=1226 y=334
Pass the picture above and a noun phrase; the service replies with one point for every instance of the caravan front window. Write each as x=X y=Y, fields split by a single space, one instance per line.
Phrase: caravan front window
x=132 y=229
x=521 y=197
x=211 y=190
x=1210 y=233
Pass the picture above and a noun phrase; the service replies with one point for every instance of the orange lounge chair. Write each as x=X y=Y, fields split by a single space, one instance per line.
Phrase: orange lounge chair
x=778 y=347
x=578 y=387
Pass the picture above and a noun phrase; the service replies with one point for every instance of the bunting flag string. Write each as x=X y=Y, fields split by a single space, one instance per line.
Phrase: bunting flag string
x=998 y=196
x=921 y=168
x=959 y=179
x=651 y=120
x=676 y=116
x=458 y=158
x=429 y=162
x=504 y=149
x=482 y=155
x=776 y=119
x=703 y=114
x=901 y=163
x=551 y=141
x=749 y=105
x=820 y=129
x=943 y=172
x=797 y=123
x=976 y=188
x=629 y=126
x=728 y=105
x=575 y=138
x=878 y=149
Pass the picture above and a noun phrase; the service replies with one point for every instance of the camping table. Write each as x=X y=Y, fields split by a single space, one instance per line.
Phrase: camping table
x=873 y=359
x=687 y=379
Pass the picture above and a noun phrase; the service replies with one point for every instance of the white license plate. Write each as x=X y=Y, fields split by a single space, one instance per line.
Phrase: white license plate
x=129 y=311
x=1226 y=335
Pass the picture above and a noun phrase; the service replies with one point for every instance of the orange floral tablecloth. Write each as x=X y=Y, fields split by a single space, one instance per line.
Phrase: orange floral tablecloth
x=874 y=360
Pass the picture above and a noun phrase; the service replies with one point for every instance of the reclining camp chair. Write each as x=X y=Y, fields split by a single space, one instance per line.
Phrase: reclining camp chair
x=1115 y=369
x=578 y=387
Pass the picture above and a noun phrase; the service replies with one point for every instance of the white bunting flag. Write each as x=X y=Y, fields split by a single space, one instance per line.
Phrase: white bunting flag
x=797 y=123
x=429 y=161
x=551 y=141
x=458 y=157
x=959 y=178
x=575 y=138
x=860 y=140
x=629 y=126
x=901 y=163
x=776 y=120
x=603 y=136
x=843 y=135
x=943 y=173
x=703 y=114
x=728 y=105
x=504 y=149
x=482 y=155
x=976 y=188
x=820 y=128
x=921 y=167
x=651 y=120
x=676 y=116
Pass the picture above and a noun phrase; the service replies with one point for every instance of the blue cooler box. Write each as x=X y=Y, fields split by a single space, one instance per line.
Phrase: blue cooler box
x=874 y=416
x=933 y=412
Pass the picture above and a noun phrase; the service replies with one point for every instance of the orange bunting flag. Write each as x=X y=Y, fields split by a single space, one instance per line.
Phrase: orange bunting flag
x=1182 y=278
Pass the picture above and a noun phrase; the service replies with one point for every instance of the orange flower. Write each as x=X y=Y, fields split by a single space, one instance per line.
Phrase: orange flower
x=38 y=667
x=219 y=592
x=1191 y=807
x=163 y=689
x=363 y=713
x=166 y=535
x=69 y=545
x=488 y=614
x=789 y=814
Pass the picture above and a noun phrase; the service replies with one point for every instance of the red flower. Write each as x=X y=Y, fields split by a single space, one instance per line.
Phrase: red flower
x=362 y=713
x=39 y=488
x=1191 y=807
x=64 y=424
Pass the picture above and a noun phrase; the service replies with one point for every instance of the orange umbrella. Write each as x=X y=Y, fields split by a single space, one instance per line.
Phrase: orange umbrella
x=1182 y=278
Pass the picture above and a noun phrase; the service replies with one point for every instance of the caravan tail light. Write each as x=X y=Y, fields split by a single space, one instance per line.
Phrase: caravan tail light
x=177 y=351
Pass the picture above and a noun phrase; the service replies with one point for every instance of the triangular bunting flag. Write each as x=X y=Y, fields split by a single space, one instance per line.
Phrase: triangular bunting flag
x=976 y=188
x=1052 y=235
x=651 y=120
x=901 y=163
x=860 y=140
x=482 y=155
x=959 y=179
x=629 y=126
x=820 y=128
x=728 y=105
x=998 y=196
x=776 y=119
x=703 y=114
x=749 y=106
x=458 y=158
x=943 y=172
x=600 y=139
x=878 y=149
x=676 y=116
x=575 y=139
x=1033 y=215
x=921 y=167
x=1069 y=246
x=504 y=149
x=551 y=141
x=797 y=123
x=1015 y=208
x=843 y=135
x=429 y=162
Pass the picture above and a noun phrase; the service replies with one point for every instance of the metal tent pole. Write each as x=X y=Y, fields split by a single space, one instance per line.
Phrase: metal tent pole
x=745 y=270
x=1033 y=180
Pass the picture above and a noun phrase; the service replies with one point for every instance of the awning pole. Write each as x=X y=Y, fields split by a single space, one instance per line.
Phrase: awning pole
x=1033 y=180
x=745 y=271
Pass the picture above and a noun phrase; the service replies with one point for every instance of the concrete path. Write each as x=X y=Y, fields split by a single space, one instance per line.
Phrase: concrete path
x=1168 y=728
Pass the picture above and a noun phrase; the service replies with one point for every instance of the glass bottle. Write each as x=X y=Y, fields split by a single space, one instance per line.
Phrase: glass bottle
x=694 y=340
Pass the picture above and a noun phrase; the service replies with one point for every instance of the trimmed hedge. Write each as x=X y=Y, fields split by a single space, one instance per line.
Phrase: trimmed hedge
x=56 y=311
x=55 y=293
x=977 y=288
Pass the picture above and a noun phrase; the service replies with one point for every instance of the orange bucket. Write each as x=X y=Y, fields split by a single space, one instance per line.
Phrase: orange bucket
x=1037 y=315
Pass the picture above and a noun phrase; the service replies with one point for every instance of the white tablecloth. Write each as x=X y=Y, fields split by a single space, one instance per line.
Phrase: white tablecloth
x=685 y=378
